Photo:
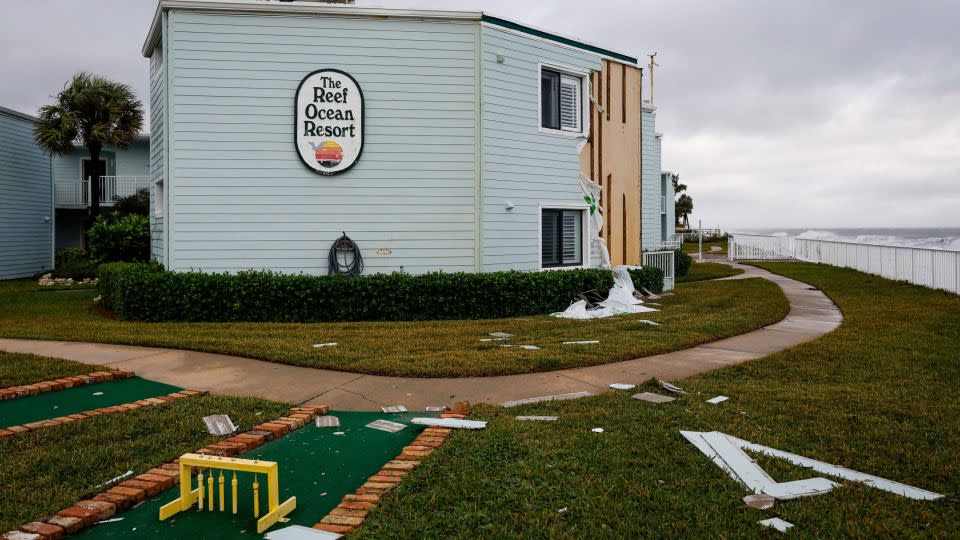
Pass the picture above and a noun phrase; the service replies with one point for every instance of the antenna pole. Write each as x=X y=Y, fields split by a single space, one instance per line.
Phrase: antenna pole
x=652 y=64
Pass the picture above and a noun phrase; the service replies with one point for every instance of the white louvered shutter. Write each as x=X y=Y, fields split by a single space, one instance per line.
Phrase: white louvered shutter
x=570 y=103
x=571 y=239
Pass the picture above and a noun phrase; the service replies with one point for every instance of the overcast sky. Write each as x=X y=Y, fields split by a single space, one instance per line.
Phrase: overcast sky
x=776 y=114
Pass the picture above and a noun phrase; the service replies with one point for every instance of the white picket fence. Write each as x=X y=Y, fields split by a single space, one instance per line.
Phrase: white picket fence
x=664 y=261
x=934 y=268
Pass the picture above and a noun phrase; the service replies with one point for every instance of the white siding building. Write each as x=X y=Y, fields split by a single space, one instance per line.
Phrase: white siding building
x=473 y=135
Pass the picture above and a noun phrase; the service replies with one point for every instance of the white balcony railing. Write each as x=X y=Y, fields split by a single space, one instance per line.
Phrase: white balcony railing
x=76 y=193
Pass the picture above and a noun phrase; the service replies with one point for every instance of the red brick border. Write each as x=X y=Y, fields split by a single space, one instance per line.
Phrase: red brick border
x=130 y=492
x=25 y=390
x=355 y=507
x=41 y=424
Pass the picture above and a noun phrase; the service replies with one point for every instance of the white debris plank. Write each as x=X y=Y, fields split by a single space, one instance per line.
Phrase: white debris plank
x=584 y=342
x=622 y=386
x=539 y=418
x=718 y=399
x=327 y=421
x=450 y=423
x=799 y=488
x=299 y=532
x=322 y=345
x=749 y=473
x=394 y=409
x=219 y=424
x=776 y=523
x=671 y=387
x=653 y=398
x=841 y=472
x=385 y=425
x=541 y=399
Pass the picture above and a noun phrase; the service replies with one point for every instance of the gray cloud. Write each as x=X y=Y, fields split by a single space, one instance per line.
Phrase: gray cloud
x=803 y=114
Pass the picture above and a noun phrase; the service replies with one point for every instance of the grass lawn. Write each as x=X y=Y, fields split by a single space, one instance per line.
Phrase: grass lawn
x=878 y=395
x=17 y=369
x=694 y=247
x=698 y=313
x=708 y=270
x=44 y=471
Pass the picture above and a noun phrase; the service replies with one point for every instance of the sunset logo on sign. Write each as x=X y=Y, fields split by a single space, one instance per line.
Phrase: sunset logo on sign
x=329 y=154
x=329 y=121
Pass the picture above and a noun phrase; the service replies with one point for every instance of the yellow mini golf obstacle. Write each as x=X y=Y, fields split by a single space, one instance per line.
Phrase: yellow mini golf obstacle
x=189 y=496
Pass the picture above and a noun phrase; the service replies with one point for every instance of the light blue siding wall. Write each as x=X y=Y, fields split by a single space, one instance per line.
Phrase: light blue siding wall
x=158 y=124
x=521 y=164
x=131 y=161
x=26 y=201
x=650 y=181
x=240 y=197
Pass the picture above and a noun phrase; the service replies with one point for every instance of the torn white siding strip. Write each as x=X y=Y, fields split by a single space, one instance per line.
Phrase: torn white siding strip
x=739 y=463
x=450 y=423
x=558 y=397
x=841 y=472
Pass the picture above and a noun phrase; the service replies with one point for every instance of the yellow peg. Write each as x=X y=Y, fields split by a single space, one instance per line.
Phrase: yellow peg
x=221 y=491
x=233 y=486
x=210 y=491
x=256 y=497
x=200 y=490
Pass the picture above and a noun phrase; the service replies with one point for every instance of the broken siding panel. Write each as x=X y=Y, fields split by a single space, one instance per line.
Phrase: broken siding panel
x=26 y=201
x=237 y=173
x=612 y=158
x=521 y=164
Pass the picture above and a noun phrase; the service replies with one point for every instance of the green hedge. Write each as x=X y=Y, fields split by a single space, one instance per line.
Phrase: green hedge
x=681 y=263
x=647 y=277
x=146 y=292
x=120 y=238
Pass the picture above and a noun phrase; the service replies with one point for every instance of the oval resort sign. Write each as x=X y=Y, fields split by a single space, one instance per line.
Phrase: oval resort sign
x=329 y=121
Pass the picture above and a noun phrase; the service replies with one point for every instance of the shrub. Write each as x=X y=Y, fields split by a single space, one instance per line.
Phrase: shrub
x=65 y=255
x=681 y=263
x=146 y=292
x=137 y=203
x=647 y=277
x=78 y=269
x=120 y=238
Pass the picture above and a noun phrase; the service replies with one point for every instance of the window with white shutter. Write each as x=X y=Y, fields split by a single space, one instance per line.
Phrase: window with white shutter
x=561 y=101
x=561 y=238
x=570 y=103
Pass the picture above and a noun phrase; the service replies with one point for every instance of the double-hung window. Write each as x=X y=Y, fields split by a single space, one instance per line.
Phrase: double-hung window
x=561 y=238
x=561 y=101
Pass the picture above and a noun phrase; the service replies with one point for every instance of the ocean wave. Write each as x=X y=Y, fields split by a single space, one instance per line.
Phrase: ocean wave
x=949 y=243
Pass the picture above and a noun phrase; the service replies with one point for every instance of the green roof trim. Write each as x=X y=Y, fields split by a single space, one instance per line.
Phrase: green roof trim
x=559 y=39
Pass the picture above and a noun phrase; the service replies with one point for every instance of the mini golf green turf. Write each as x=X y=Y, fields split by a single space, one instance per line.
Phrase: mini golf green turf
x=14 y=412
x=316 y=466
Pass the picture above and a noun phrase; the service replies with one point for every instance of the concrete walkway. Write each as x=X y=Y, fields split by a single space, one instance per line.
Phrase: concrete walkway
x=811 y=315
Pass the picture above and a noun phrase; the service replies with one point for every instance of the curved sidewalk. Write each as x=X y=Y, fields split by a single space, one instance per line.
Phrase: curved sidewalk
x=811 y=315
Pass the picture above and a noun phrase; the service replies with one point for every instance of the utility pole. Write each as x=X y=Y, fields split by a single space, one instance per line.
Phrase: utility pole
x=652 y=64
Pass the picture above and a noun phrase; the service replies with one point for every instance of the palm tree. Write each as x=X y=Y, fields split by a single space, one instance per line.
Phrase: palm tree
x=95 y=111
x=683 y=208
x=677 y=186
x=684 y=205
